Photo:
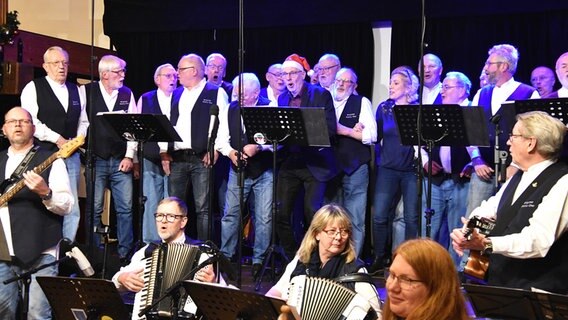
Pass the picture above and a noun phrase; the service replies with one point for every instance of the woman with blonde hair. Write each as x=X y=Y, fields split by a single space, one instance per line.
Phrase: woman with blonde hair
x=423 y=284
x=327 y=251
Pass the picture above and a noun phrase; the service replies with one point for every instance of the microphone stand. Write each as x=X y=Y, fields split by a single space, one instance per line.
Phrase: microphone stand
x=26 y=278
x=500 y=156
x=211 y=176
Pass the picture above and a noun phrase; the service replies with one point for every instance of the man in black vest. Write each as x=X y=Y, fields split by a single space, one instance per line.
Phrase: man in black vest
x=356 y=131
x=310 y=167
x=257 y=174
x=59 y=114
x=188 y=160
x=450 y=172
x=527 y=248
x=113 y=156
x=432 y=68
x=32 y=220
x=155 y=180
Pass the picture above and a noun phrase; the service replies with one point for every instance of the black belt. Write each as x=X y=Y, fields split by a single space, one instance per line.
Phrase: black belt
x=184 y=155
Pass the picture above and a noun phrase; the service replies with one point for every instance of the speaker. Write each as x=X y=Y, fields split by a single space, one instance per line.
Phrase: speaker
x=15 y=76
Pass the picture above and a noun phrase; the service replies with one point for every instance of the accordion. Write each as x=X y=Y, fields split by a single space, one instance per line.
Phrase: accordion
x=313 y=298
x=168 y=264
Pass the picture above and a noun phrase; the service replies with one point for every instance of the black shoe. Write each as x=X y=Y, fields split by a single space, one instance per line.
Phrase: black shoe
x=377 y=266
x=256 y=268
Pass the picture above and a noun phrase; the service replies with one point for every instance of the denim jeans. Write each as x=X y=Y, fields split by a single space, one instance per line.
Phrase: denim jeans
x=398 y=224
x=389 y=183
x=38 y=305
x=449 y=202
x=262 y=190
x=120 y=184
x=354 y=199
x=479 y=190
x=71 y=221
x=155 y=189
x=180 y=175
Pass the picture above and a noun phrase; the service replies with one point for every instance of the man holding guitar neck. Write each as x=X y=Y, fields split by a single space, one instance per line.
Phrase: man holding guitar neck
x=527 y=247
x=32 y=220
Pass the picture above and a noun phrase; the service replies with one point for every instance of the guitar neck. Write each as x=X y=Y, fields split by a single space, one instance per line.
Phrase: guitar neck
x=8 y=195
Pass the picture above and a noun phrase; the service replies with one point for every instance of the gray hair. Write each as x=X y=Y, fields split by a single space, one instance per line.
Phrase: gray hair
x=461 y=78
x=548 y=131
x=509 y=53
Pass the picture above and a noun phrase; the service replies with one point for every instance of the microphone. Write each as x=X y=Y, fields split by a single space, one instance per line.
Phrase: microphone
x=495 y=118
x=82 y=261
x=210 y=248
x=213 y=113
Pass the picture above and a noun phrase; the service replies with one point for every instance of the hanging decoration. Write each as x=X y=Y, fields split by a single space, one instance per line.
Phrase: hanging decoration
x=10 y=29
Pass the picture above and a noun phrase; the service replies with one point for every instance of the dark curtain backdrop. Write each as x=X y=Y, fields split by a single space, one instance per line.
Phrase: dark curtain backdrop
x=462 y=42
x=144 y=51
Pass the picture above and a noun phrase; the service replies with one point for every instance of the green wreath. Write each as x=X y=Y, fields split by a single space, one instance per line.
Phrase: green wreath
x=10 y=29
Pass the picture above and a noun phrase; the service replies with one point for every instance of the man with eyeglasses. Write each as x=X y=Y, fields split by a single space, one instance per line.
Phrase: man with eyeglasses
x=527 y=247
x=170 y=220
x=113 y=156
x=31 y=222
x=155 y=180
x=451 y=172
x=543 y=80
x=58 y=110
x=187 y=161
x=500 y=68
x=215 y=68
x=310 y=167
x=328 y=65
x=432 y=68
x=562 y=74
x=356 y=132
x=276 y=85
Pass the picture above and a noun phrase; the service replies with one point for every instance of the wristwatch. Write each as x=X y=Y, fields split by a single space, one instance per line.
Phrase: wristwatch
x=47 y=196
x=488 y=249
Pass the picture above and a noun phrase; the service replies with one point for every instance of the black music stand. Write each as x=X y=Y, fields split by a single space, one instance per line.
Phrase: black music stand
x=292 y=125
x=141 y=128
x=82 y=299
x=219 y=302
x=442 y=125
x=507 y=303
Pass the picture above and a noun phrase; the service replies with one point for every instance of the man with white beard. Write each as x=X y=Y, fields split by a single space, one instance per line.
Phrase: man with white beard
x=562 y=74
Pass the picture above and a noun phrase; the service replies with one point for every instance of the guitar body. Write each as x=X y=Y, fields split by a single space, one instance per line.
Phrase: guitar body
x=476 y=267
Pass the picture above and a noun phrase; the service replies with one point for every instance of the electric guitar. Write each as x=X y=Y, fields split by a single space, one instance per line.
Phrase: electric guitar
x=477 y=262
x=66 y=151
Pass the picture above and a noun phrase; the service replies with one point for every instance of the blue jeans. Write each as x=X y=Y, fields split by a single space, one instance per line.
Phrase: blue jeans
x=9 y=294
x=120 y=184
x=354 y=188
x=180 y=175
x=262 y=190
x=398 y=224
x=479 y=190
x=389 y=183
x=155 y=189
x=449 y=202
x=71 y=221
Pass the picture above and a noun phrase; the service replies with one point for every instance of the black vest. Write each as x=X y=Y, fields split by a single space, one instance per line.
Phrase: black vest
x=34 y=228
x=151 y=105
x=351 y=153
x=199 y=115
x=261 y=161
x=107 y=144
x=542 y=273
x=52 y=113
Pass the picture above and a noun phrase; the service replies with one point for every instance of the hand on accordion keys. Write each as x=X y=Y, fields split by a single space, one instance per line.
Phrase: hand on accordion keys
x=224 y=264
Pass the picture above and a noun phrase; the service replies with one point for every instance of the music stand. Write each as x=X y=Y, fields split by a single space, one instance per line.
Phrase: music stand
x=293 y=125
x=218 y=302
x=82 y=299
x=507 y=303
x=442 y=125
x=141 y=128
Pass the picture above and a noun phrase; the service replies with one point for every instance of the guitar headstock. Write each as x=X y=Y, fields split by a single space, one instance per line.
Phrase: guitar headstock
x=482 y=224
x=70 y=147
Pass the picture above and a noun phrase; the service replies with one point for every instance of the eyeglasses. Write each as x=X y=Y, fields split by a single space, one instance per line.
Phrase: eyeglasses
x=180 y=69
x=170 y=217
x=291 y=74
x=446 y=87
x=322 y=69
x=18 y=121
x=277 y=75
x=120 y=71
x=405 y=282
x=488 y=63
x=169 y=76
x=344 y=81
x=512 y=136
x=332 y=233
x=216 y=67
x=57 y=63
